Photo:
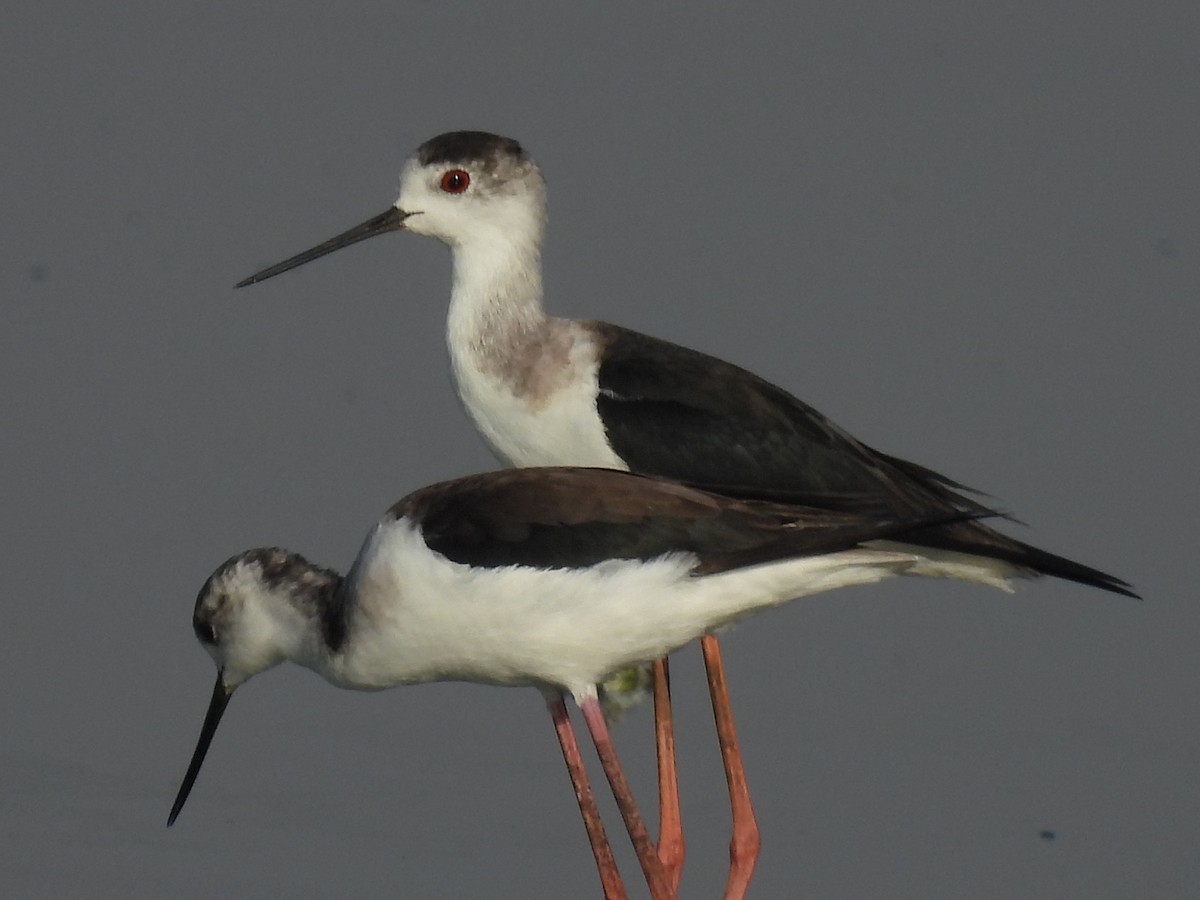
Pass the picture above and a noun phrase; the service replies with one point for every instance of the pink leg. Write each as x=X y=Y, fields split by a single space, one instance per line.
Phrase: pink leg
x=671 y=848
x=743 y=848
x=610 y=877
x=656 y=878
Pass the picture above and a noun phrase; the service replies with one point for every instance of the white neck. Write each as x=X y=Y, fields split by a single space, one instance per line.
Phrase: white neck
x=527 y=380
x=496 y=300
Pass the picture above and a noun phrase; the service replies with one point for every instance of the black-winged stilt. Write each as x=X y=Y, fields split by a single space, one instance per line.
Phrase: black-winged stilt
x=550 y=391
x=553 y=578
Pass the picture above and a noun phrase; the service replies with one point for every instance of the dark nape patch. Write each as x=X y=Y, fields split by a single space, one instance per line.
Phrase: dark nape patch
x=467 y=146
x=281 y=568
x=278 y=567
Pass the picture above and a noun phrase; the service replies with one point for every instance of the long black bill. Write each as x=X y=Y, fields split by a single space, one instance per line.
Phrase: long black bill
x=216 y=708
x=392 y=220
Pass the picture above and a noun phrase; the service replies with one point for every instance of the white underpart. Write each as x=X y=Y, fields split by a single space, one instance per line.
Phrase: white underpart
x=419 y=617
x=562 y=429
x=497 y=292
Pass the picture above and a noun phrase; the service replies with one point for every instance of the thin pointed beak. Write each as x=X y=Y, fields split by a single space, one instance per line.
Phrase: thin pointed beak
x=216 y=707
x=392 y=220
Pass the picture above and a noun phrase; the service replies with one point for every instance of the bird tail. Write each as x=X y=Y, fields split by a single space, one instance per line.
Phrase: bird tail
x=976 y=539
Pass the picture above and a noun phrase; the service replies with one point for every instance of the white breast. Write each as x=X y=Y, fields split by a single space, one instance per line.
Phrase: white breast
x=560 y=428
x=420 y=617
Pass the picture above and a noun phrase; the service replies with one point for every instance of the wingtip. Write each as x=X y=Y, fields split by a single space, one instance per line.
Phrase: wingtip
x=1125 y=589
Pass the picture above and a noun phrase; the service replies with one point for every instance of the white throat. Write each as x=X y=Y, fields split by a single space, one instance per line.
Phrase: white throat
x=496 y=299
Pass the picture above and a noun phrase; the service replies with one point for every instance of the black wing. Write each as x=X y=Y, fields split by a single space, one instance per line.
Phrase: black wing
x=681 y=414
x=678 y=413
x=557 y=518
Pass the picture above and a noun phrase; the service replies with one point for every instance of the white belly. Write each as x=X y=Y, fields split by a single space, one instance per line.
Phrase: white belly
x=419 y=617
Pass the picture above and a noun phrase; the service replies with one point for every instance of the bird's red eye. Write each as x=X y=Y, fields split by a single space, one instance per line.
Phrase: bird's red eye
x=455 y=181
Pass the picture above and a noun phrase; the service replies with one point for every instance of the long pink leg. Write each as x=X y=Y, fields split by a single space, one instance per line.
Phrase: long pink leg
x=610 y=877
x=656 y=878
x=671 y=848
x=746 y=841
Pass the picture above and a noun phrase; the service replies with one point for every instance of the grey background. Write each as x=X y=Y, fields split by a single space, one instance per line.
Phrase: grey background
x=967 y=233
